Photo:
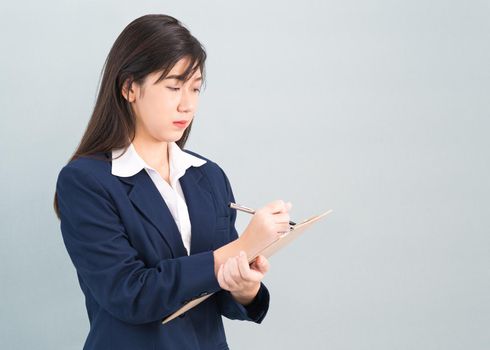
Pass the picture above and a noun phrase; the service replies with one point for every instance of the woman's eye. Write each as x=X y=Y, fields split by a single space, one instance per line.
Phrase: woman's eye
x=177 y=89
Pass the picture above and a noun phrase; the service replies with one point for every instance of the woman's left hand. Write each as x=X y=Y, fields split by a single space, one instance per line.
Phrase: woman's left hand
x=241 y=279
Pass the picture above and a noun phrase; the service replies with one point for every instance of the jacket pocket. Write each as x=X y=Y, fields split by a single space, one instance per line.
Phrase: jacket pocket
x=221 y=231
x=222 y=223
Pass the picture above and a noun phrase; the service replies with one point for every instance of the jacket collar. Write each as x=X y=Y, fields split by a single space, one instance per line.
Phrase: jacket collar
x=147 y=199
x=130 y=162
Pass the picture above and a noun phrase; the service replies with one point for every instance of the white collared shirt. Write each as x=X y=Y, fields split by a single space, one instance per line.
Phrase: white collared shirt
x=131 y=163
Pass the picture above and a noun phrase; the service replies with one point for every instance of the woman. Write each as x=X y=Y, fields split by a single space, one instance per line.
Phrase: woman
x=147 y=223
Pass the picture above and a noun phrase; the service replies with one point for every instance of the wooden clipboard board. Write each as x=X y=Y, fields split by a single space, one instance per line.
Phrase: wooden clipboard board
x=267 y=251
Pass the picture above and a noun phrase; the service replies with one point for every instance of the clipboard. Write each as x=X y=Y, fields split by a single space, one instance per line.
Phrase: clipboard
x=267 y=251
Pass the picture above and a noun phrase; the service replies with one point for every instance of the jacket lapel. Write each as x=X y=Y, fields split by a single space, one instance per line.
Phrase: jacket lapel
x=202 y=211
x=145 y=196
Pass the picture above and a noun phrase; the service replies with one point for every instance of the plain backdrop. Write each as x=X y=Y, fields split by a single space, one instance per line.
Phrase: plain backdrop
x=377 y=109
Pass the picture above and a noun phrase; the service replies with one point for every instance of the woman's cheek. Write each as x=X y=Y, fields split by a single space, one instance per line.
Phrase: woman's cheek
x=157 y=121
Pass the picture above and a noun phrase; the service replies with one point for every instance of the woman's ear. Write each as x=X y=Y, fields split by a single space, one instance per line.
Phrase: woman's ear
x=129 y=93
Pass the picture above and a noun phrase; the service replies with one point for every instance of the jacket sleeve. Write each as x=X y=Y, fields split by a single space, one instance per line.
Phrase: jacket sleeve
x=98 y=245
x=230 y=308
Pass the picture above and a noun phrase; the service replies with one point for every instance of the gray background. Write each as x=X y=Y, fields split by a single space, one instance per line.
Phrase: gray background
x=376 y=109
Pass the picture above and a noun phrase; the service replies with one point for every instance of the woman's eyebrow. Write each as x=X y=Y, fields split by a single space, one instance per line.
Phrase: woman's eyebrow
x=178 y=77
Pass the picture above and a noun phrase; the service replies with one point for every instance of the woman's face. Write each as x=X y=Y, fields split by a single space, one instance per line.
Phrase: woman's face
x=158 y=106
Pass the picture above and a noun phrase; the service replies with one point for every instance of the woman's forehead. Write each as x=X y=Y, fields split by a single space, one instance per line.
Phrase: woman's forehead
x=176 y=73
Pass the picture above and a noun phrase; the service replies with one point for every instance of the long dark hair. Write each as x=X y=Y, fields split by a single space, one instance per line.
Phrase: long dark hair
x=149 y=44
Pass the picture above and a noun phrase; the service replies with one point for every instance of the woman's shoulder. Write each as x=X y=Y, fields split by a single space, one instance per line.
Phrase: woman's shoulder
x=97 y=165
x=211 y=167
x=213 y=171
x=93 y=162
x=216 y=175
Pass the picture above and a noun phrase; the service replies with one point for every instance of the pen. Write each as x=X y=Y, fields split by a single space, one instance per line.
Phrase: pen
x=249 y=210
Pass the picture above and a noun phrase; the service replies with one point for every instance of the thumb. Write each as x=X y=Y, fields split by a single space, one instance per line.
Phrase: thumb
x=261 y=264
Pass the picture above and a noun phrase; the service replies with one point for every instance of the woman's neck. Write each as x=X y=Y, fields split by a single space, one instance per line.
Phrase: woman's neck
x=155 y=154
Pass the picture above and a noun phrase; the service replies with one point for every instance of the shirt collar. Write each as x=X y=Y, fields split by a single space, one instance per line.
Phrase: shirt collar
x=130 y=163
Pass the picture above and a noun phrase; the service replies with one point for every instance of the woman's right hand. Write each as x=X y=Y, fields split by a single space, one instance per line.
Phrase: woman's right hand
x=266 y=225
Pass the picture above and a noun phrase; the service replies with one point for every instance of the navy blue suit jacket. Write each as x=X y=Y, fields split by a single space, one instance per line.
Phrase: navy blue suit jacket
x=132 y=265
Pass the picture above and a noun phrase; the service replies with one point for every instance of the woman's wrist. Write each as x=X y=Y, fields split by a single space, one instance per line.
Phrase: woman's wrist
x=227 y=251
x=232 y=249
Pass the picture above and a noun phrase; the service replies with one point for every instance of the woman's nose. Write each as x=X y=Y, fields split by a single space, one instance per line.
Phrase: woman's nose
x=186 y=102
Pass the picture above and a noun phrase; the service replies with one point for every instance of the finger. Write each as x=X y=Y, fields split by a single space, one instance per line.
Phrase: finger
x=261 y=264
x=277 y=206
x=221 y=279
x=281 y=218
x=283 y=207
x=228 y=282
x=256 y=265
x=244 y=267
x=228 y=273
x=283 y=228
x=247 y=273
x=234 y=271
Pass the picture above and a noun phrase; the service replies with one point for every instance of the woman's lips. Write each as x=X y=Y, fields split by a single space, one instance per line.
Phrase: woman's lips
x=181 y=123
